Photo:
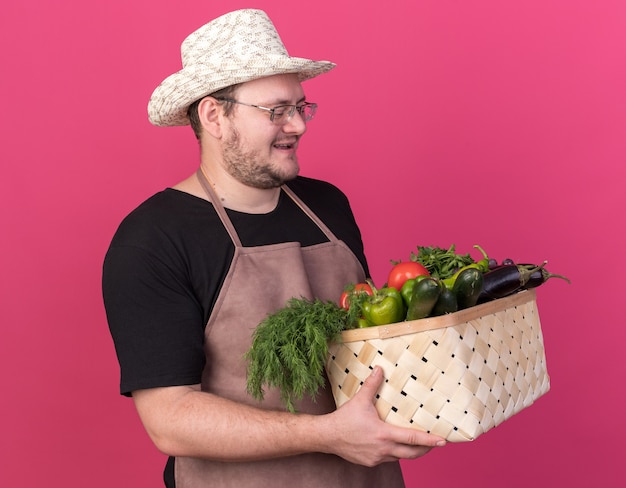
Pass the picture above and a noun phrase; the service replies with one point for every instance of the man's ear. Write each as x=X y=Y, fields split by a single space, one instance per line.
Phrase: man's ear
x=211 y=114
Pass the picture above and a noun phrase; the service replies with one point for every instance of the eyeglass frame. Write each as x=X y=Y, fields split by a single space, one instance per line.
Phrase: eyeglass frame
x=272 y=111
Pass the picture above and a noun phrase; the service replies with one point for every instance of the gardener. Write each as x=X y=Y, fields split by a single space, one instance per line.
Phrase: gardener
x=196 y=267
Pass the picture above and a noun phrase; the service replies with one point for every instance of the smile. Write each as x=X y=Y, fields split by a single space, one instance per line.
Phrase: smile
x=284 y=146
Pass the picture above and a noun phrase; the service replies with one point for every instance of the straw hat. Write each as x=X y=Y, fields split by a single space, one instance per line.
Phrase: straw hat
x=237 y=47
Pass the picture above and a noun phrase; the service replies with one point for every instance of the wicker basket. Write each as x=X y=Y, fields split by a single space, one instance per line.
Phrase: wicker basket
x=456 y=375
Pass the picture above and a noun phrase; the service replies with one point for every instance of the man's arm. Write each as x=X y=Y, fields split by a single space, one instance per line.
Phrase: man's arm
x=184 y=421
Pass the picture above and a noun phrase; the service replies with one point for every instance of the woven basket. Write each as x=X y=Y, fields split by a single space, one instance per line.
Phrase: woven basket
x=457 y=375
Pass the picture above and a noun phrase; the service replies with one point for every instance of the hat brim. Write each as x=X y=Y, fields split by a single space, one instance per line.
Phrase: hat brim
x=170 y=101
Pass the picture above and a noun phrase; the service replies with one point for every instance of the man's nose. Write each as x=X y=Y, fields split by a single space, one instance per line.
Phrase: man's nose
x=296 y=124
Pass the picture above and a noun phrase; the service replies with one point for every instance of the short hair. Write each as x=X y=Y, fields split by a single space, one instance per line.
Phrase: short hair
x=192 y=111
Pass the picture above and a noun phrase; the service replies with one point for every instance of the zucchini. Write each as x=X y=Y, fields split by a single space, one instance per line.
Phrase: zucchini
x=446 y=303
x=425 y=294
x=467 y=287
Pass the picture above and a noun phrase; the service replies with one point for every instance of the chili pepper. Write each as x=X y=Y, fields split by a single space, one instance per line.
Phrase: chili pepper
x=384 y=306
x=483 y=264
x=449 y=282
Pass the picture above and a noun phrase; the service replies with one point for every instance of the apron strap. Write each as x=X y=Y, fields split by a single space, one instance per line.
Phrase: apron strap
x=219 y=208
x=230 y=228
x=331 y=237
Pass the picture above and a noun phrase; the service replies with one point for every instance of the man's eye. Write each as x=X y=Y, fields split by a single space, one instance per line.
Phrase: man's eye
x=280 y=111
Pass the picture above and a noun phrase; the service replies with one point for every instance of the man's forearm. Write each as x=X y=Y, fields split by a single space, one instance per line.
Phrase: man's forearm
x=183 y=421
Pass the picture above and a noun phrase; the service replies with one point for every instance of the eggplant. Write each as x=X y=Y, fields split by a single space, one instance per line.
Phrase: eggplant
x=506 y=280
x=540 y=276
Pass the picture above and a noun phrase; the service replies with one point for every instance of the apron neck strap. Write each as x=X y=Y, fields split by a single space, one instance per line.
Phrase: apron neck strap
x=219 y=208
x=230 y=228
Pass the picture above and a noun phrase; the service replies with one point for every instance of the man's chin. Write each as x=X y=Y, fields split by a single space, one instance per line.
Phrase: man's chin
x=276 y=182
x=274 y=179
x=288 y=175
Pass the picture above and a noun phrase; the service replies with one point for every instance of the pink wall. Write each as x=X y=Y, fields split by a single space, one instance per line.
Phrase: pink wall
x=489 y=122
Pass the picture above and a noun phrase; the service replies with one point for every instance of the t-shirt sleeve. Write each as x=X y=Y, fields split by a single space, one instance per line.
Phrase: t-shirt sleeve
x=155 y=322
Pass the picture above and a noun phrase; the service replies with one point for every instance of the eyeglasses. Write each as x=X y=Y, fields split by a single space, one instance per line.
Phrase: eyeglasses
x=282 y=114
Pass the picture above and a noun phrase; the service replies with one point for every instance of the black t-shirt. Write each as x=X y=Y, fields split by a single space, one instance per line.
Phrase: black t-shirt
x=167 y=262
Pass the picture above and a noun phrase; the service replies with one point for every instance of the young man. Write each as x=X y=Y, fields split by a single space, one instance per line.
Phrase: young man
x=195 y=268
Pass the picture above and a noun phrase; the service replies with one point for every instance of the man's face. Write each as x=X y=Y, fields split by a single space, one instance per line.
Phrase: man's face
x=256 y=151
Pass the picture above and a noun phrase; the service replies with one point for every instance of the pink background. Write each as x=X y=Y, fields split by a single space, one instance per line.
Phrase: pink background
x=467 y=122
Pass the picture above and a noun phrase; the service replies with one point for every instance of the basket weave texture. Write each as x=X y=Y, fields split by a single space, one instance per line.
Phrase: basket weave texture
x=456 y=376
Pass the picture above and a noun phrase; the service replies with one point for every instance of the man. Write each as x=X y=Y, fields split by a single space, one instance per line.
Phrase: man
x=195 y=268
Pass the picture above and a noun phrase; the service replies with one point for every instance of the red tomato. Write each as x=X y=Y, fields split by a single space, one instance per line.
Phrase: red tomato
x=344 y=301
x=405 y=271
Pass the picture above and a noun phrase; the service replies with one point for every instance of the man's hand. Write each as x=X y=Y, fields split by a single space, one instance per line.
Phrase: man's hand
x=363 y=438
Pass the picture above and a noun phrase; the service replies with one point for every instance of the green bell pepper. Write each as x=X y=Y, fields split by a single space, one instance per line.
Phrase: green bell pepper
x=407 y=289
x=385 y=306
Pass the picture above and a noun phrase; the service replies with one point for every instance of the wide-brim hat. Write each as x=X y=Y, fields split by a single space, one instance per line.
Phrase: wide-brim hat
x=237 y=47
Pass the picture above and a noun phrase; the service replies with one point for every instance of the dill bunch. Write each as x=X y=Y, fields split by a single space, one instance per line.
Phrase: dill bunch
x=290 y=347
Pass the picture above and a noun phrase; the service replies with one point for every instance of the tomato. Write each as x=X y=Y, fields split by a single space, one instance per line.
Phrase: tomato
x=405 y=271
x=344 y=300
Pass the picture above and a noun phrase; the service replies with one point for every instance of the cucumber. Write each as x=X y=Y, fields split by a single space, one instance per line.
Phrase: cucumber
x=446 y=303
x=425 y=295
x=467 y=287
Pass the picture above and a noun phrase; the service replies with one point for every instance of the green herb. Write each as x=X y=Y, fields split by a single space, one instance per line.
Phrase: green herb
x=441 y=263
x=290 y=347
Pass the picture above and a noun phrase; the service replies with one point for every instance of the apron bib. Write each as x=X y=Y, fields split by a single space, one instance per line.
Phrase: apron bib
x=261 y=280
